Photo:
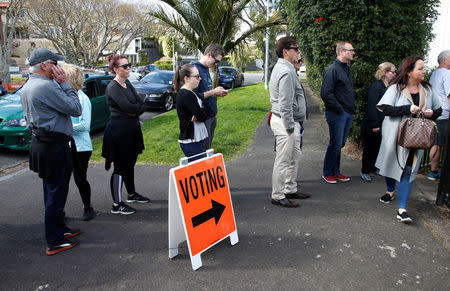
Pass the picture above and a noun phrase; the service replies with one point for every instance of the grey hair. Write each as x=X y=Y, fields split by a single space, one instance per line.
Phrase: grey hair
x=341 y=45
x=443 y=55
x=36 y=68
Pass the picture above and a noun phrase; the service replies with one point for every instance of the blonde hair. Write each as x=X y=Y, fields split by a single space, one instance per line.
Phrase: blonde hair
x=382 y=69
x=74 y=75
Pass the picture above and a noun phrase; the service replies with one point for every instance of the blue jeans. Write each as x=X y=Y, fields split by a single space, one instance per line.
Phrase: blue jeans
x=191 y=149
x=339 y=127
x=55 y=195
x=404 y=187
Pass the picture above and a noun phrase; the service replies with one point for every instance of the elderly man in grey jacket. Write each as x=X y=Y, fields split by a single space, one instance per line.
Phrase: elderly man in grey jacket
x=288 y=113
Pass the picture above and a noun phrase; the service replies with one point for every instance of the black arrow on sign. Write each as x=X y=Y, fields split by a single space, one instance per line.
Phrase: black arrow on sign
x=215 y=212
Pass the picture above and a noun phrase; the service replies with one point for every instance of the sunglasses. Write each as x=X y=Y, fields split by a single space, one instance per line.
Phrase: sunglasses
x=216 y=61
x=125 y=66
x=293 y=48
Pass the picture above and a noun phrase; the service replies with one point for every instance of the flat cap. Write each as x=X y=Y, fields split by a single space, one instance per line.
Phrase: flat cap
x=41 y=55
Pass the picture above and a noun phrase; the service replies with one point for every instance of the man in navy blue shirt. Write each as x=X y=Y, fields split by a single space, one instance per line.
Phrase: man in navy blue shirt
x=212 y=56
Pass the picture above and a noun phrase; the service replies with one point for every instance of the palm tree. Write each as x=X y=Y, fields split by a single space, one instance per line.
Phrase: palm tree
x=203 y=22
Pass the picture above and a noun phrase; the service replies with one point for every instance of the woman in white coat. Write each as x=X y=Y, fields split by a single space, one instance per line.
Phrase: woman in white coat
x=408 y=95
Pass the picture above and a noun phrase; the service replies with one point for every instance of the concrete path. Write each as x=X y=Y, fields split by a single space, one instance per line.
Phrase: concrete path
x=340 y=239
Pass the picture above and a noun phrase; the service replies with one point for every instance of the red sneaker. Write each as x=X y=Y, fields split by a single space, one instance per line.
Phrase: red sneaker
x=329 y=179
x=342 y=178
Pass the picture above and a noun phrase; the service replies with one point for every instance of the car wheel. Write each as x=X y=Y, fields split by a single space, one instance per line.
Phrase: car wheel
x=169 y=103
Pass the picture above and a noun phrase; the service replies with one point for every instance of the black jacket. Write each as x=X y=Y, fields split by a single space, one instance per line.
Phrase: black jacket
x=337 y=90
x=187 y=106
x=374 y=117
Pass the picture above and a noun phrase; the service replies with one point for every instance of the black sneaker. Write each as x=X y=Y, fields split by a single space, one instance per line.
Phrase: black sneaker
x=69 y=232
x=89 y=213
x=404 y=217
x=122 y=208
x=137 y=198
x=386 y=198
x=65 y=244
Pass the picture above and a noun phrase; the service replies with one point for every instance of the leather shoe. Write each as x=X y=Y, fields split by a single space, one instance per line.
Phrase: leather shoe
x=285 y=203
x=298 y=195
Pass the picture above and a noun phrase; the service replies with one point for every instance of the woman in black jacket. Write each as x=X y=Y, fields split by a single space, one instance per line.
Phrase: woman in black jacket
x=123 y=141
x=371 y=125
x=191 y=112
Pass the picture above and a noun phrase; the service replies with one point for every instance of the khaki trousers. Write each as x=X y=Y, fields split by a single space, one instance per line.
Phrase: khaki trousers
x=287 y=159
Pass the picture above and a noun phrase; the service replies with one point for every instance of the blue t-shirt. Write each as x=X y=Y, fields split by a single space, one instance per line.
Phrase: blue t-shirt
x=204 y=86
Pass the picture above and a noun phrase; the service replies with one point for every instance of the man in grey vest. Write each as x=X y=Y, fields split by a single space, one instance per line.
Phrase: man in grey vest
x=288 y=113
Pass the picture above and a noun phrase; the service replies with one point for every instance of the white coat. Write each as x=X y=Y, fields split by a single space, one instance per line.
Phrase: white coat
x=387 y=157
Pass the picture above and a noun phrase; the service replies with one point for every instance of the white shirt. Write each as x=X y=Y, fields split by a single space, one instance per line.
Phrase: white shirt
x=440 y=83
x=200 y=131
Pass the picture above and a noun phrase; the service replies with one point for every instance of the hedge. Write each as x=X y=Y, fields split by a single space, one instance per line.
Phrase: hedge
x=379 y=30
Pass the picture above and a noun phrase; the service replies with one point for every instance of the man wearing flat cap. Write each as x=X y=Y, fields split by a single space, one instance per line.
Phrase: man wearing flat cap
x=48 y=102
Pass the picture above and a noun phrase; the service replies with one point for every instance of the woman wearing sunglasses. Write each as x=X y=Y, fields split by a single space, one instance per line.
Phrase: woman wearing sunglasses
x=191 y=112
x=123 y=140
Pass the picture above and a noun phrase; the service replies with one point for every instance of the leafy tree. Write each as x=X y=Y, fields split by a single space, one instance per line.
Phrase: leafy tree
x=203 y=22
x=256 y=12
x=379 y=30
x=243 y=55
x=10 y=15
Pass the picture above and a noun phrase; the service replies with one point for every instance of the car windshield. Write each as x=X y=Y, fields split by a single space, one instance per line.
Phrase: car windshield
x=158 y=78
x=226 y=71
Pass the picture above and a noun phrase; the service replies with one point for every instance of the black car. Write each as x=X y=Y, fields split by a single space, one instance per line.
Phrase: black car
x=230 y=77
x=157 y=87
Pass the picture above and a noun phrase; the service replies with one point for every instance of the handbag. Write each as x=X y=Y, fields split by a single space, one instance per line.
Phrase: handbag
x=416 y=133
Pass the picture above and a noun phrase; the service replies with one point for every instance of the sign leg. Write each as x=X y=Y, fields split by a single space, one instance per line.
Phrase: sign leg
x=196 y=262
x=176 y=230
x=234 y=239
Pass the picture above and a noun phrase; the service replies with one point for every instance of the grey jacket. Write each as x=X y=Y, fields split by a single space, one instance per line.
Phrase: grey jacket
x=387 y=157
x=49 y=105
x=286 y=94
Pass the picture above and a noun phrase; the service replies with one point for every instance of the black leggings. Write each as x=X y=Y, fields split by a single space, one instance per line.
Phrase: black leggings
x=372 y=143
x=80 y=177
x=122 y=174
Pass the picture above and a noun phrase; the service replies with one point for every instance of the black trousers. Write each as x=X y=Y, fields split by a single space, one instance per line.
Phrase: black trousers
x=371 y=146
x=56 y=188
x=80 y=177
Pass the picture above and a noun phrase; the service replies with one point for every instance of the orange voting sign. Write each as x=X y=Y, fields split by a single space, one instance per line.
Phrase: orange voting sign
x=205 y=206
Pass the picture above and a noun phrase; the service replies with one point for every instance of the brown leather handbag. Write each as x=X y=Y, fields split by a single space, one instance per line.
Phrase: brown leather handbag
x=416 y=133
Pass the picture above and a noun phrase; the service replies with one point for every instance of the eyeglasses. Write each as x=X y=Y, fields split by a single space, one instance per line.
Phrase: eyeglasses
x=393 y=72
x=195 y=76
x=51 y=62
x=125 y=66
x=350 y=50
x=216 y=61
x=293 y=48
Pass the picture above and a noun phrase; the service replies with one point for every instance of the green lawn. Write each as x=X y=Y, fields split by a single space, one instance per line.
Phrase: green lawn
x=240 y=113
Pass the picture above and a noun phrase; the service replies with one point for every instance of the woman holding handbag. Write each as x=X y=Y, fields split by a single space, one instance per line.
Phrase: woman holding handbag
x=408 y=95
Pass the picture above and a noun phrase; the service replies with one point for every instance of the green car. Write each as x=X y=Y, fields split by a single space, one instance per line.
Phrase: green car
x=13 y=132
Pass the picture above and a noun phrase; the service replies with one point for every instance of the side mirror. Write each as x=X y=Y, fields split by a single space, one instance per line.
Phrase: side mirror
x=139 y=78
